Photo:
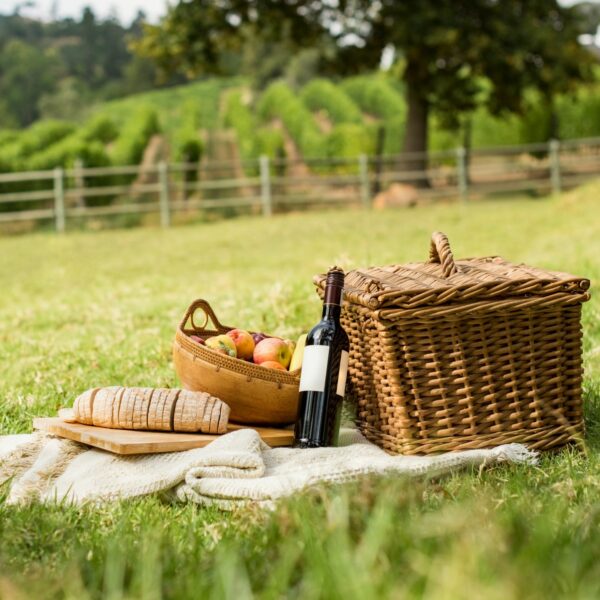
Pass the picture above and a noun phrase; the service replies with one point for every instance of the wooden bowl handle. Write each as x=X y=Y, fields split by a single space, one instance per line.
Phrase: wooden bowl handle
x=209 y=316
x=439 y=252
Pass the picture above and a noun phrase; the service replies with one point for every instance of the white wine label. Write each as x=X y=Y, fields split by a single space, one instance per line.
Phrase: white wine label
x=341 y=386
x=314 y=369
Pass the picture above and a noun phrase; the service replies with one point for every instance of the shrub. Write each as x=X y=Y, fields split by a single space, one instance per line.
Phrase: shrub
x=579 y=116
x=186 y=143
x=66 y=151
x=394 y=129
x=86 y=143
x=376 y=96
x=129 y=147
x=321 y=94
x=44 y=133
x=100 y=128
x=242 y=121
x=279 y=101
x=7 y=136
x=269 y=142
x=14 y=155
x=253 y=141
x=349 y=140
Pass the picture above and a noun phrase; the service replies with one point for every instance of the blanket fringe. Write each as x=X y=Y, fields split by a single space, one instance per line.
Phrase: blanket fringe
x=517 y=453
x=21 y=458
x=32 y=475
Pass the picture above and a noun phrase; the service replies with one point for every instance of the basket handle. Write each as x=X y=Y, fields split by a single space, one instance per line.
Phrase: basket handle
x=209 y=315
x=439 y=252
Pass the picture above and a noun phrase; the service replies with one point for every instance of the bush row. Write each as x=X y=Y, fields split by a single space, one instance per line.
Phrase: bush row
x=376 y=96
x=86 y=143
x=349 y=140
x=14 y=155
x=279 y=102
x=253 y=141
x=7 y=136
x=128 y=148
x=238 y=117
x=186 y=144
x=321 y=94
x=66 y=151
x=100 y=128
x=349 y=137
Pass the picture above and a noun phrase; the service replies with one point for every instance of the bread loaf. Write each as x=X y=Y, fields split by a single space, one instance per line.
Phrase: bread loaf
x=151 y=409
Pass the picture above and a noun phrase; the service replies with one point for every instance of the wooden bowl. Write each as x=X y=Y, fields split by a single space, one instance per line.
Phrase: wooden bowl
x=256 y=395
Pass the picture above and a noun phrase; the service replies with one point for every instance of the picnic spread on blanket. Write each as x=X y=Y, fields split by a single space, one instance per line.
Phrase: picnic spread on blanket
x=443 y=364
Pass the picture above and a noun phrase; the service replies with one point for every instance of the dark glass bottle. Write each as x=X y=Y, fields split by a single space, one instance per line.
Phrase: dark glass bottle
x=324 y=370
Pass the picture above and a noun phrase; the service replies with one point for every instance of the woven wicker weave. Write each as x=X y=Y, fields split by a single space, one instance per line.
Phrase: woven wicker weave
x=255 y=394
x=450 y=355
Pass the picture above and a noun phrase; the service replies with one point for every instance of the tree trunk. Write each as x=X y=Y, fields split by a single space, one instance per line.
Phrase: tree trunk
x=415 y=137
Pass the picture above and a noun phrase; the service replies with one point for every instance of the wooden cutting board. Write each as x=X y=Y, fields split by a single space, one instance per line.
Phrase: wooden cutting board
x=121 y=441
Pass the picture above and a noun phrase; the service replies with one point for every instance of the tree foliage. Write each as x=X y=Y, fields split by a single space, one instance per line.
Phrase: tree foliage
x=54 y=69
x=456 y=54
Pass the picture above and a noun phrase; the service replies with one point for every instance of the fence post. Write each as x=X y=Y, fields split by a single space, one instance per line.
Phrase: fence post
x=265 y=186
x=59 y=199
x=554 y=153
x=461 y=170
x=363 y=175
x=163 y=179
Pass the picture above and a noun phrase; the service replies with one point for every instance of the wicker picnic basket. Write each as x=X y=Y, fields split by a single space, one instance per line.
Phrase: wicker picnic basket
x=256 y=395
x=451 y=355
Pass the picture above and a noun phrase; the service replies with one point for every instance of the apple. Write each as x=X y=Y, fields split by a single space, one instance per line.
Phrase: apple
x=272 y=349
x=197 y=339
x=223 y=344
x=244 y=343
x=258 y=337
x=273 y=364
x=292 y=346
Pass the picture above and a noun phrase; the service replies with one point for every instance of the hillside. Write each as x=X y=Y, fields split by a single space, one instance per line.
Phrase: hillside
x=319 y=120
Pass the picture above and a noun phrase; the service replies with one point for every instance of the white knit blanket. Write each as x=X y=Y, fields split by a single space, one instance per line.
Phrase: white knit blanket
x=235 y=469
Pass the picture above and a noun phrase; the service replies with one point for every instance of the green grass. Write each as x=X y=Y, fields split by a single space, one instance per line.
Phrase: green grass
x=89 y=309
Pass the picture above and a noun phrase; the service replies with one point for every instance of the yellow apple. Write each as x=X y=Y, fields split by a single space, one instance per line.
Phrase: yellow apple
x=223 y=344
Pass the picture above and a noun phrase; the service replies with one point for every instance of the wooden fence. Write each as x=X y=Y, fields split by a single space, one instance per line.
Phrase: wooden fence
x=265 y=186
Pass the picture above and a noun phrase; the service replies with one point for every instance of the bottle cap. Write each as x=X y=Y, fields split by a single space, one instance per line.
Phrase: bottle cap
x=335 y=276
x=334 y=284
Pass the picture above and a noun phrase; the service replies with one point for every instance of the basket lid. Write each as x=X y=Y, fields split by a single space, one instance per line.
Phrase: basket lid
x=443 y=280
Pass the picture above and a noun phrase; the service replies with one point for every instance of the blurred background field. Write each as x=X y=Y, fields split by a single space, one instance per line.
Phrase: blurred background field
x=86 y=309
x=176 y=112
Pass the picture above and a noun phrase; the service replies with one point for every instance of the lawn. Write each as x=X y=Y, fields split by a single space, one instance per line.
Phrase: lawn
x=92 y=309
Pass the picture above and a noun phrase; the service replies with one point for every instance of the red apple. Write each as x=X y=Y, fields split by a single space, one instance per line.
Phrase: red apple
x=197 y=339
x=272 y=349
x=244 y=343
x=273 y=364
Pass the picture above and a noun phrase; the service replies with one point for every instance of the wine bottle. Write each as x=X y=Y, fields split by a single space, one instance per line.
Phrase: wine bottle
x=324 y=370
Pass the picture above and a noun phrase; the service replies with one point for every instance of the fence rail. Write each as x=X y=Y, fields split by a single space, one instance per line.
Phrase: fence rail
x=264 y=185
